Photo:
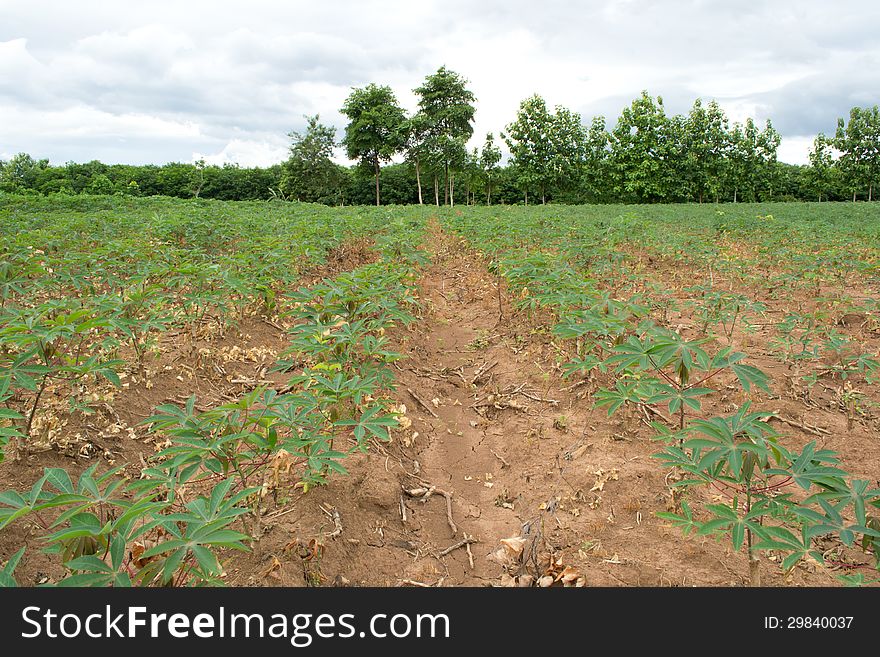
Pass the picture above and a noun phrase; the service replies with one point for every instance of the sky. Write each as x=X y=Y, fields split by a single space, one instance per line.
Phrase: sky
x=159 y=81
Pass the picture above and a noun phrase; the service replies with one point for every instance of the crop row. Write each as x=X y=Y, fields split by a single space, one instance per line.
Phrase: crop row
x=774 y=498
x=205 y=491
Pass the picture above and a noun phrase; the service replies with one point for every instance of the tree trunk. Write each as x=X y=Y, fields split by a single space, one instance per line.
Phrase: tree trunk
x=734 y=194
x=451 y=190
x=446 y=184
x=871 y=192
x=854 y=197
x=436 y=190
x=377 y=182
x=419 y=182
x=488 y=194
x=527 y=197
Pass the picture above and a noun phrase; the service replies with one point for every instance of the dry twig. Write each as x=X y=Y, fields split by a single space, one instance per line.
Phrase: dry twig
x=424 y=494
x=422 y=403
x=465 y=542
x=333 y=513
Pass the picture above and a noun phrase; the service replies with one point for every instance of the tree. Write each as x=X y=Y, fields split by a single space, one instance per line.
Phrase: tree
x=20 y=173
x=752 y=156
x=198 y=177
x=490 y=156
x=447 y=105
x=706 y=148
x=595 y=179
x=309 y=174
x=859 y=144
x=417 y=131
x=640 y=150
x=473 y=176
x=375 y=131
x=821 y=170
x=100 y=184
x=545 y=146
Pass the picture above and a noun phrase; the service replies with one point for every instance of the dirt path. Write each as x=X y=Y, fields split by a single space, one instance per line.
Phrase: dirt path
x=458 y=449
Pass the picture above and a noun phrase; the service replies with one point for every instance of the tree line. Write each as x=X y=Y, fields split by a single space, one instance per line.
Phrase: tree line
x=649 y=156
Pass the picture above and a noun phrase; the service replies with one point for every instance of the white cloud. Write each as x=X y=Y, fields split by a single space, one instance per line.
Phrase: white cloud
x=162 y=81
x=247 y=153
x=796 y=149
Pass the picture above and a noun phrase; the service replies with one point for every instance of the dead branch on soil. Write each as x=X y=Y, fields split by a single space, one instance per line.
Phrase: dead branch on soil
x=424 y=493
x=422 y=403
x=499 y=401
x=333 y=514
x=803 y=426
x=504 y=464
x=654 y=411
x=553 y=402
x=482 y=370
x=578 y=384
x=269 y=322
x=466 y=542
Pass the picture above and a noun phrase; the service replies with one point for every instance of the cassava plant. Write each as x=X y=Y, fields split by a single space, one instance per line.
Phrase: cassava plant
x=109 y=531
x=57 y=342
x=774 y=498
x=661 y=366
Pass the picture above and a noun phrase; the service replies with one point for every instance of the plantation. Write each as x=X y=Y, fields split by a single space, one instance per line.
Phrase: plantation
x=248 y=393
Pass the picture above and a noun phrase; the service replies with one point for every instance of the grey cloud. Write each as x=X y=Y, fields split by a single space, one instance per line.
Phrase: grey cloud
x=813 y=104
x=248 y=73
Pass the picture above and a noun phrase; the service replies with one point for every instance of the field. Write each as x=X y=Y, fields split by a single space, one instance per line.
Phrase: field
x=260 y=394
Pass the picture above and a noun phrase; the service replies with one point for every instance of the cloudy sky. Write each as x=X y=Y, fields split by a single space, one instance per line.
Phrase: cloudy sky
x=160 y=81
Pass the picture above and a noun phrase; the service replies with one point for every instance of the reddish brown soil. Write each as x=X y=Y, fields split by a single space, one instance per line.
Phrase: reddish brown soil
x=520 y=451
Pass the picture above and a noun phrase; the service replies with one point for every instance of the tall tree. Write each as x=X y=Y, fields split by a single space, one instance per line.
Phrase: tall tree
x=490 y=156
x=752 y=158
x=21 y=172
x=448 y=106
x=859 y=144
x=821 y=171
x=595 y=178
x=545 y=146
x=309 y=174
x=417 y=145
x=375 y=132
x=706 y=148
x=640 y=150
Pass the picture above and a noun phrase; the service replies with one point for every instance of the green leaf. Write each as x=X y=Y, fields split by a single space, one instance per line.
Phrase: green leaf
x=749 y=375
x=7 y=579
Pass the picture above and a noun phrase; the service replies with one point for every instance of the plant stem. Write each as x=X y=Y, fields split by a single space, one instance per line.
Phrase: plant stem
x=754 y=570
x=33 y=412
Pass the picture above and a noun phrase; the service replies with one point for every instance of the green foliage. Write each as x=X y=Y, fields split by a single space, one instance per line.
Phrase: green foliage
x=7 y=573
x=377 y=128
x=741 y=455
x=858 y=141
x=490 y=156
x=445 y=116
x=772 y=498
x=309 y=174
x=642 y=151
x=100 y=525
x=546 y=147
